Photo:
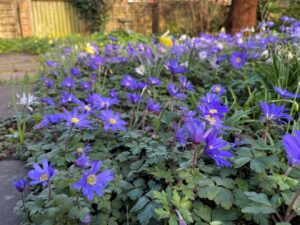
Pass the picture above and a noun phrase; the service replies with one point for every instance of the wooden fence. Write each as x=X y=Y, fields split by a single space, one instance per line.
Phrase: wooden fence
x=54 y=18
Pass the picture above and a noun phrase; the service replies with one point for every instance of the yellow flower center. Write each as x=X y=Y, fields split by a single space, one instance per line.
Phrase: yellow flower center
x=91 y=179
x=87 y=108
x=112 y=121
x=238 y=59
x=75 y=120
x=210 y=119
x=218 y=89
x=79 y=150
x=213 y=111
x=44 y=177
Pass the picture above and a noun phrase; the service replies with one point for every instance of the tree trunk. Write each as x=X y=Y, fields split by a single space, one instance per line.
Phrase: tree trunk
x=242 y=15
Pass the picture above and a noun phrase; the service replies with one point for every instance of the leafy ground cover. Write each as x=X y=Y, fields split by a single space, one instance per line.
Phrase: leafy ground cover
x=201 y=130
x=36 y=45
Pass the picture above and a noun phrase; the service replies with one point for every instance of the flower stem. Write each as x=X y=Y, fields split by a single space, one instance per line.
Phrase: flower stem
x=68 y=139
x=289 y=215
x=292 y=109
x=195 y=157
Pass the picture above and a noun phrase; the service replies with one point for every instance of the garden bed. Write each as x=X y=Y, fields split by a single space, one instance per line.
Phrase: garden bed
x=179 y=131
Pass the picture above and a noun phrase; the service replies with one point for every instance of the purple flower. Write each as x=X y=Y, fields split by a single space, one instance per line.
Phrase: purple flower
x=238 y=59
x=85 y=150
x=48 y=101
x=68 y=82
x=68 y=98
x=213 y=148
x=186 y=114
x=218 y=89
x=274 y=113
x=52 y=119
x=83 y=161
x=74 y=119
x=210 y=98
x=92 y=181
x=48 y=82
x=196 y=131
x=185 y=84
x=174 y=91
x=112 y=121
x=86 y=220
x=285 y=93
x=154 y=81
x=75 y=71
x=152 y=106
x=20 y=185
x=134 y=98
x=180 y=136
x=41 y=175
x=113 y=93
x=85 y=85
x=141 y=85
x=129 y=82
x=214 y=109
x=174 y=67
x=105 y=103
x=292 y=147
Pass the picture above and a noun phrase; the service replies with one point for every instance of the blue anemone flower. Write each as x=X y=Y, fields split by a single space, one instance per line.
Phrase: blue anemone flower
x=69 y=82
x=274 y=113
x=174 y=67
x=213 y=149
x=285 y=93
x=41 y=175
x=174 y=91
x=20 y=185
x=218 y=89
x=196 y=131
x=112 y=121
x=75 y=119
x=238 y=59
x=152 y=106
x=129 y=82
x=134 y=98
x=92 y=181
x=292 y=147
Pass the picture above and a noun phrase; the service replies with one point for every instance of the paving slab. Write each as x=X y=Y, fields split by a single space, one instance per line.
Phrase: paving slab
x=15 y=65
x=10 y=171
x=6 y=92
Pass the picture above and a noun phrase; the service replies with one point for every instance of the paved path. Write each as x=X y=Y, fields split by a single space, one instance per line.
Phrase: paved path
x=12 y=65
x=15 y=65
x=10 y=171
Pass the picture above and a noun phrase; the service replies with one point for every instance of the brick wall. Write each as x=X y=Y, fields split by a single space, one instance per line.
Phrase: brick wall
x=9 y=27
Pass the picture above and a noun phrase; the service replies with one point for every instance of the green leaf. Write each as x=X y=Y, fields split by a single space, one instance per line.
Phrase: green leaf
x=221 y=214
x=176 y=199
x=140 y=204
x=135 y=193
x=202 y=211
x=259 y=204
x=146 y=214
x=224 y=198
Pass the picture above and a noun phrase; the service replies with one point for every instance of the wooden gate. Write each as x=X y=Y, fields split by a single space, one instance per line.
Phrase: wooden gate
x=54 y=18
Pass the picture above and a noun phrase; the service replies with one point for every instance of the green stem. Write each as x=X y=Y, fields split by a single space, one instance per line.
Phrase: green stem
x=68 y=139
x=292 y=110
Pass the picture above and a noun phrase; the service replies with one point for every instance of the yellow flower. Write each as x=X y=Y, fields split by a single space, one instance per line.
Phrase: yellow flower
x=166 y=41
x=90 y=49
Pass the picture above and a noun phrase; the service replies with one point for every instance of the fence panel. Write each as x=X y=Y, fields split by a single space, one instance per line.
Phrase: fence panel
x=54 y=18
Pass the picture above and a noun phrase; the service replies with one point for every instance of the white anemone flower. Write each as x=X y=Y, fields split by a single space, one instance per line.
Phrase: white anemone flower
x=26 y=100
x=140 y=70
